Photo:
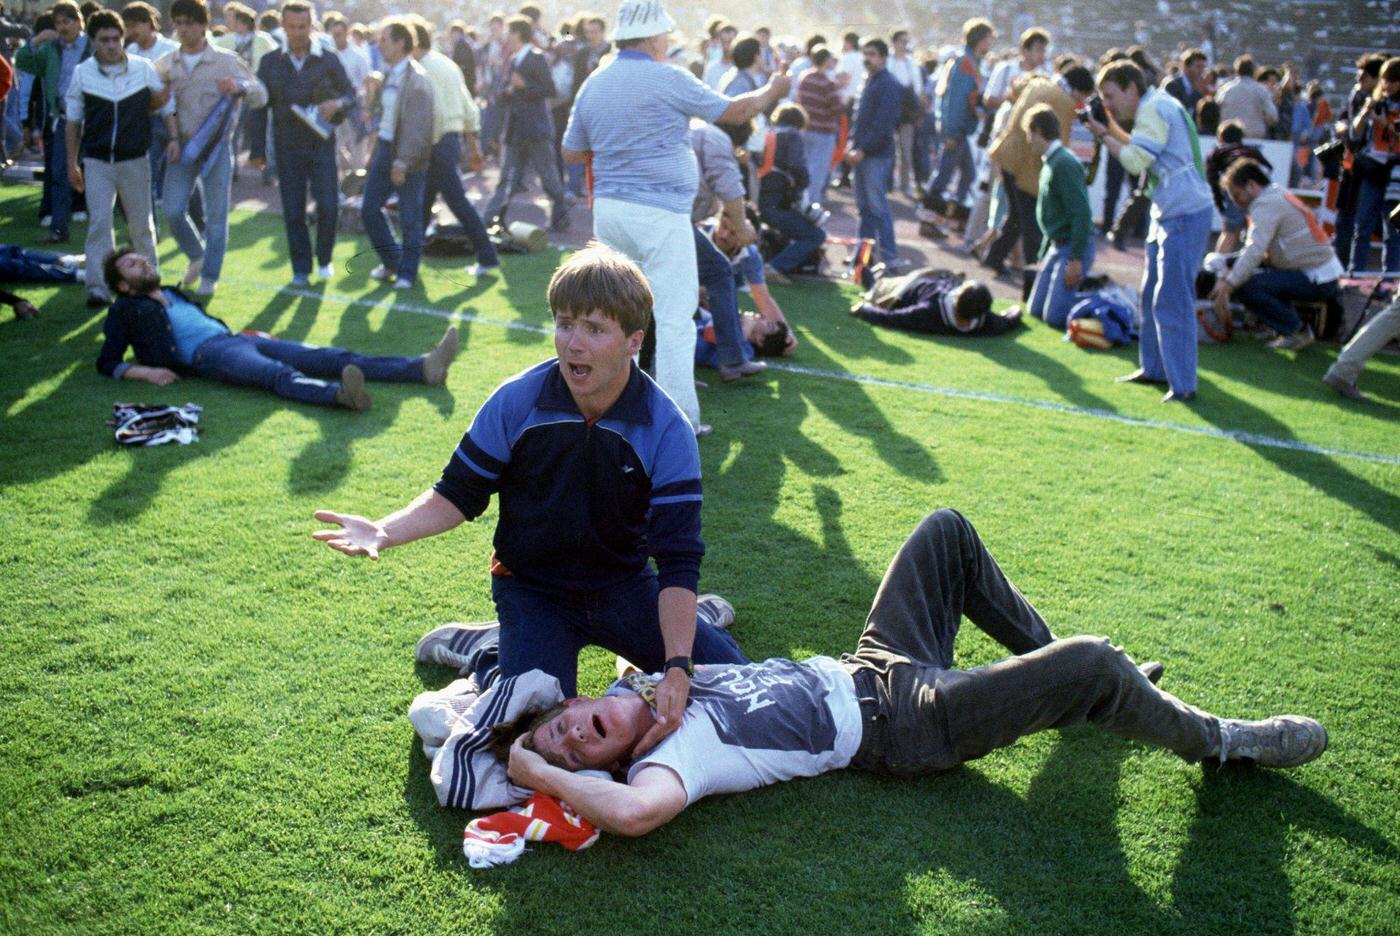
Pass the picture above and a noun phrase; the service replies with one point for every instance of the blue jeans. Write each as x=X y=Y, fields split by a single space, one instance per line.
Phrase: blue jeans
x=297 y=170
x=957 y=155
x=1370 y=211
x=293 y=370
x=180 y=180
x=1270 y=294
x=443 y=178
x=1167 y=350
x=819 y=147
x=804 y=237
x=545 y=629
x=402 y=260
x=23 y=265
x=1051 y=299
x=60 y=193
x=872 y=183
x=717 y=277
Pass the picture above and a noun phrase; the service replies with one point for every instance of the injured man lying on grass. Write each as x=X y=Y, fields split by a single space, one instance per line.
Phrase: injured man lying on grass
x=896 y=705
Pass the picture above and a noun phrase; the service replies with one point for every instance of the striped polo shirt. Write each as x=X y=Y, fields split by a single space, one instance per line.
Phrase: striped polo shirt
x=634 y=114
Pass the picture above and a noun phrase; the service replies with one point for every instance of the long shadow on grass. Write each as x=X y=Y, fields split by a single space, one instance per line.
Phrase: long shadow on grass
x=1323 y=472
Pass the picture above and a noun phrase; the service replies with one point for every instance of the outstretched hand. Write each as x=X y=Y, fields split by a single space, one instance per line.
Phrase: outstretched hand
x=671 y=695
x=357 y=536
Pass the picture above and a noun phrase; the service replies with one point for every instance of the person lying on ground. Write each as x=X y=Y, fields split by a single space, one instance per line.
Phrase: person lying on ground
x=896 y=705
x=172 y=335
x=26 y=265
x=762 y=337
x=936 y=302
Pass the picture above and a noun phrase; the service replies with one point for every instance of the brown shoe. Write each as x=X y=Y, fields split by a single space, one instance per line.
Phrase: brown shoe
x=437 y=361
x=351 y=392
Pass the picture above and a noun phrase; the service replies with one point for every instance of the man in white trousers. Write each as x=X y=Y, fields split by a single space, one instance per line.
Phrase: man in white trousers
x=631 y=121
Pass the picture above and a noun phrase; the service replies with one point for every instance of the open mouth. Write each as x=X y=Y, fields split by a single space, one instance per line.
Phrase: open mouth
x=598 y=727
x=580 y=370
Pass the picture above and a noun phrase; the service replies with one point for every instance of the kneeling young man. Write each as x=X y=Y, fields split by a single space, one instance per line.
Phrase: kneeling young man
x=171 y=334
x=597 y=471
x=895 y=706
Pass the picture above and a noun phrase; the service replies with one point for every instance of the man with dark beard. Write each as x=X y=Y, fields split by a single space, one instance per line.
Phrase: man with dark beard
x=171 y=335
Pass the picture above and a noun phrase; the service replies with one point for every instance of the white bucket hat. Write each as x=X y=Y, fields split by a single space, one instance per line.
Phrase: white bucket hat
x=642 y=19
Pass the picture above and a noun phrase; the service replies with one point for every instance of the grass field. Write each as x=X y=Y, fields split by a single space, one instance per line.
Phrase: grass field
x=204 y=721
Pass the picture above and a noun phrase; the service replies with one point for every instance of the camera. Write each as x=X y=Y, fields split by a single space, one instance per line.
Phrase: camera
x=9 y=29
x=1092 y=107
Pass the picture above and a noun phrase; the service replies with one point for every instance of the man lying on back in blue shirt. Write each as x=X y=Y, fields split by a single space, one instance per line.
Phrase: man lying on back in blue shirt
x=171 y=335
x=597 y=470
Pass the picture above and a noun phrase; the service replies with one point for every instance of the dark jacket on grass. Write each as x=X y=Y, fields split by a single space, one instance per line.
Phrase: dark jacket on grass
x=142 y=324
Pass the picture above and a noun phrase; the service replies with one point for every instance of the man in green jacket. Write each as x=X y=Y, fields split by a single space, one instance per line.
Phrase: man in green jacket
x=1062 y=211
x=53 y=55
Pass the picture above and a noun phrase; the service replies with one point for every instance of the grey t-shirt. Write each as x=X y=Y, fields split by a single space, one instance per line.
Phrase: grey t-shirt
x=754 y=724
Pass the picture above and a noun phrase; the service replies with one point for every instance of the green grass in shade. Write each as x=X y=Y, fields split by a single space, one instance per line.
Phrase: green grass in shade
x=204 y=724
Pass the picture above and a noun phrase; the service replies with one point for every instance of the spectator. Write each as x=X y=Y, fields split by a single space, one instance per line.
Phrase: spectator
x=463 y=55
x=746 y=73
x=746 y=268
x=940 y=303
x=911 y=78
x=1368 y=76
x=401 y=155
x=589 y=56
x=718 y=58
x=54 y=55
x=249 y=43
x=762 y=337
x=171 y=335
x=1375 y=335
x=1230 y=147
x=1065 y=219
x=962 y=95
x=207 y=83
x=721 y=189
x=455 y=116
x=1301 y=264
x=1020 y=162
x=1247 y=101
x=142 y=24
x=782 y=180
x=820 y=97
x=26 y=265
x=803 y=63
x=1189 y=86
x=1376 y=130
x=871 y=150
x=1163 y=141
x=528 y=129
x=308 y=93
x=108 y=135
x=633 y=116
x=351 y=131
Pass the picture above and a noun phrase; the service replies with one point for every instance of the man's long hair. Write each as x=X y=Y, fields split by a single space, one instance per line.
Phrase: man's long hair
x=504 y=734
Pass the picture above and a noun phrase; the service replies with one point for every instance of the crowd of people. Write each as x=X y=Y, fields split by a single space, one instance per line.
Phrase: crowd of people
x=709 y=163
x=705 y=169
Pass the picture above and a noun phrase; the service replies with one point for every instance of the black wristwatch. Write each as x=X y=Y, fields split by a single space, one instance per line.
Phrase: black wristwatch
x=679 y=662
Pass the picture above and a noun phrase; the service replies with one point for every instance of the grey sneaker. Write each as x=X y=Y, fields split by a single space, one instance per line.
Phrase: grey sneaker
x=437 y=361
x=731 y=372
x=1345 y=387
x=351 y=392
x=715 y=611
x=1281 y=741
x=192 y=273
x=1297 y=341
x=454 y=644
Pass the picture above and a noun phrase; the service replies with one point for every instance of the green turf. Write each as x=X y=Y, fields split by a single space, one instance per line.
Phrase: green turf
x=204 y=721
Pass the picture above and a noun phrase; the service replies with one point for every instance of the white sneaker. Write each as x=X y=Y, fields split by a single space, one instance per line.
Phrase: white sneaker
x=477 y=269
x=403 y=282
x=715 y=611
x=206 y=287
x=380 y=273
x=326 y=272
x=192 y=273
x=46 y=221
x=80 y=216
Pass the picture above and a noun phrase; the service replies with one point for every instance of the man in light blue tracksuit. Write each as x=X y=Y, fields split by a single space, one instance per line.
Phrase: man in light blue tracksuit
x=1164 y=145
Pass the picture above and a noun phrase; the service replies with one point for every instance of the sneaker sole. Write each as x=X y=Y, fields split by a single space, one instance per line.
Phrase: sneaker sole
x=441 y=637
